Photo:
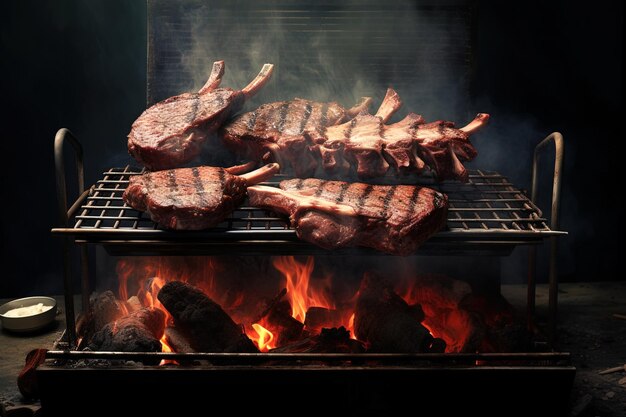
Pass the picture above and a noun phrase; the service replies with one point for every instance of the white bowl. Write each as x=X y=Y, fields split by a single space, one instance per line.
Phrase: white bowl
x=28 y=323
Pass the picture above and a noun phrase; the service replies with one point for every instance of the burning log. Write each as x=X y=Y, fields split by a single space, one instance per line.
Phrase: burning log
x=202 y=321
x=270 y=305
x=177 y=340
x=276 y=317
x=320 y=317
x=140 y=331
x=501 y=329
x=440 y=297
x=385 y=322
x=335 y=340
x=280 y=323
x=134 y=303
x=104 y=308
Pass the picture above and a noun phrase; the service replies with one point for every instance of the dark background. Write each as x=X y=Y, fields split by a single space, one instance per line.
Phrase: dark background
x=82 y=65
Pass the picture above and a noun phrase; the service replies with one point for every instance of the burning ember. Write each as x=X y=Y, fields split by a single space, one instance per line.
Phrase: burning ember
x=191 y=304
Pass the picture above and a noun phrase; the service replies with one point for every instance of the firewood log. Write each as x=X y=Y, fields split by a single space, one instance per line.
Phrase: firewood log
x=335 y=340
x=202 y=321
x=386 y=323
x=104 y=308
x=140 y=331
x=320 y=317
x=107 y=308
x=177 y=340
x=284 y=327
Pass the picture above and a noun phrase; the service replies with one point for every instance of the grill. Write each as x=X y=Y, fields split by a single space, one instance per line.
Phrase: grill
x=488 y=216
x=487 y=213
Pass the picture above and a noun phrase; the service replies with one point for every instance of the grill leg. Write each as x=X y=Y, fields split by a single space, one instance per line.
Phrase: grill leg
x=531 y=290
x=70 y=320
x=84 y=281
x=553 y=294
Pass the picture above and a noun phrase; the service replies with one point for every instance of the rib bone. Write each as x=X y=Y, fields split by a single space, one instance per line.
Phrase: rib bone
x=259 y=81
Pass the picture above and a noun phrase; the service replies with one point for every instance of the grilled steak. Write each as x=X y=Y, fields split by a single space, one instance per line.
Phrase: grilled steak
x=192 y=198
x=302 y=140
x=282 y=131
x=370 y=147
x=170 y=134
x=395 y=219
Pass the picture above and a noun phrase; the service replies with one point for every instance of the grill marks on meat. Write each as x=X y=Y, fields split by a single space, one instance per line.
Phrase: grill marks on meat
x=310 y=138
x=395 y=219
x=192 y=198
x=287 y=131
x=170 y=134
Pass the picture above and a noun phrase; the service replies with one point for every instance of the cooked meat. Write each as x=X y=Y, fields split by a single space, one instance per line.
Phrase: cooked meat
x=370 y=147
x=298 y=136
x=170 y=134
x=192 y=198
x=357 y=142
x=395 y=219
x=282 y=131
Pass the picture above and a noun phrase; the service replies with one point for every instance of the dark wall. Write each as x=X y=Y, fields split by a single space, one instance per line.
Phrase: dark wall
x=558 y=66
x=68 y=63
x=539 y=66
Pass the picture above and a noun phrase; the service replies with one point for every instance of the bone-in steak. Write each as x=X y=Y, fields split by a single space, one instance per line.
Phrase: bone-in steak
x=282 y=131
x=170 y=134
x=192 y=198
x=395 y=219
x=310 y=141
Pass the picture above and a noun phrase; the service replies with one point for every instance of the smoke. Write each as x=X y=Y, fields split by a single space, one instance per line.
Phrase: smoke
x=342 y=52
x=325 y=53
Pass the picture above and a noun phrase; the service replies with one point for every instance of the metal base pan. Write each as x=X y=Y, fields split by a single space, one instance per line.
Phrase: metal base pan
x=516 y=384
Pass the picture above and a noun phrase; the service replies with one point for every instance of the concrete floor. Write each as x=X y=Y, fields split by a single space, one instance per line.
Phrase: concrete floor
x=588 y=330
x=595 y=337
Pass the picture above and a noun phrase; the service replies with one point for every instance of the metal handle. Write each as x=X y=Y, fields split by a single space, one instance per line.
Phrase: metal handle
x=59 y=162
x=64 y=217
x=557 y=139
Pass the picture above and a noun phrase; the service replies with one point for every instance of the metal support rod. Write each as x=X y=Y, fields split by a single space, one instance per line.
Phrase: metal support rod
x=557 y=139
x=70 y=320
x=531 y=288
x=59 y=142
x=84 y=281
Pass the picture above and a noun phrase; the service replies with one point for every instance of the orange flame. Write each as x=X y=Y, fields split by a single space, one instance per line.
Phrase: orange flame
x=443 y=317
x=165 y=347
x=350 y=326
x=200 y=271
x=300 y=293
x=145 y=276
x=264 y=339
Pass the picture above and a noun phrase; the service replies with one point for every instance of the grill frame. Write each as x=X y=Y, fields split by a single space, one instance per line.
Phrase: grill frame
x=191 y=243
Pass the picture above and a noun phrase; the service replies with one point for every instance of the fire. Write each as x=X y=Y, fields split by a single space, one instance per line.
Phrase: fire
x=145 y=276
x=134 y=275
x=443 y=317
x=451 y=311
x=300 y=293
x=304 y=292
x=350 y=326
x=264 y=339
x=165 y=347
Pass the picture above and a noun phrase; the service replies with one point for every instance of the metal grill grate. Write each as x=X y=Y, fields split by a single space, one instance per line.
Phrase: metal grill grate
x=488 y=206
